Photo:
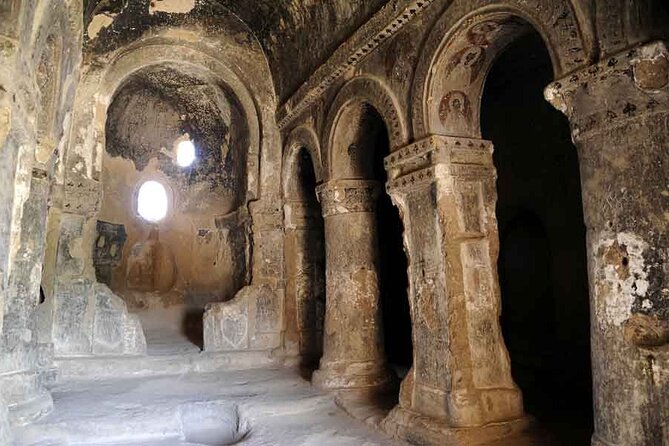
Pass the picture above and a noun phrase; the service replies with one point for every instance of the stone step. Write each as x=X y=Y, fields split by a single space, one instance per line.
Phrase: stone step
x=144 y=366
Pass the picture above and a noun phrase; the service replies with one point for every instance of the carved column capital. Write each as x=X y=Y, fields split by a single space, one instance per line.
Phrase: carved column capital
x=420 y=164
x=348 y=196
x=614 y=91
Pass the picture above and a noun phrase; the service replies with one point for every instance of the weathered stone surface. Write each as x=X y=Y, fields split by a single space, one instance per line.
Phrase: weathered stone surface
x=40 y=52
x=74 y=312
x=5 y=433
x=73 y=150
x=250 y=321
x=90 y=320
x=115 y=332
x=445 y=188
x=618 y=112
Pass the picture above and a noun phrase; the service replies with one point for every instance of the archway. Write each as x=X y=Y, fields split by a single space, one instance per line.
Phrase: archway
x=393 y=279
x=304 y=257
x=169 y=262
x=446 y=185
x=542 y=262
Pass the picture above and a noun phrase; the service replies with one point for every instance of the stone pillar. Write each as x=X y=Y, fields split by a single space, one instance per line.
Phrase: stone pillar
x=72 y=309
x=353 y=355
x=25 y=388
x=23 y=194
x=305 y=281
x=619 y=113
x=460 y=387
x=267 y=270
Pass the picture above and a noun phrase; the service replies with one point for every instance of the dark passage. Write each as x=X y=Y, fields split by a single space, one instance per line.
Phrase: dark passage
x=542 y=262
x=393 y=265
x=314 y=259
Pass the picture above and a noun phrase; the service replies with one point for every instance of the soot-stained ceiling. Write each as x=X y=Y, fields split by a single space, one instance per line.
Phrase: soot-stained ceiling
x=158 y=106
x=299 y=35
x=296 y=35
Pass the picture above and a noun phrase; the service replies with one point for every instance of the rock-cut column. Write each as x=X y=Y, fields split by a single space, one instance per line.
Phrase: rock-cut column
x=619 y=114
x=353 y=354
x=459 y=390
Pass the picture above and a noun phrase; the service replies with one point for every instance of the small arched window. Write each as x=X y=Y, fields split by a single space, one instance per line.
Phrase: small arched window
x=152 y=201
x=185 y=153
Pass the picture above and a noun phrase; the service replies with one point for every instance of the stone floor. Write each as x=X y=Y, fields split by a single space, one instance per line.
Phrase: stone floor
x=172 y=331
x=259 y=407
x=253 y=407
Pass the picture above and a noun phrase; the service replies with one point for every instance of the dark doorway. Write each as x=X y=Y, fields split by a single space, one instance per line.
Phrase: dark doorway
x=307 y=262
x=393 y=280
x=542 y=262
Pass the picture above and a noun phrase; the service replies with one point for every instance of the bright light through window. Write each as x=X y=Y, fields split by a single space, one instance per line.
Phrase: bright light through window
x=152 y=201
x=185 y=153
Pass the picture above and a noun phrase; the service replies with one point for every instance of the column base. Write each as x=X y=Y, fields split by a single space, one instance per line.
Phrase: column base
x=357 y=375
x=419 y=429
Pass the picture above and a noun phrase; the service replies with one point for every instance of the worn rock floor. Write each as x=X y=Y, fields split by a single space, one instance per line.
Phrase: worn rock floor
x=174 y=330
x=259 y=407
x=276 y=407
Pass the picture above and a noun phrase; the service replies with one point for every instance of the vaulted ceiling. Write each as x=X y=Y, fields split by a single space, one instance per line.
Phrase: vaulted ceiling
x=297 y=35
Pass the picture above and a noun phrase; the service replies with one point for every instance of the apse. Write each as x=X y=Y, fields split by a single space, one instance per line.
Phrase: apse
x=171 y=230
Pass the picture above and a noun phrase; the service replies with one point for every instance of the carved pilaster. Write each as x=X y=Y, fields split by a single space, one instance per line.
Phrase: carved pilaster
x=82 y=196
x=301 y=215
x=267 y=271
x=461 y=378
x=348 y=196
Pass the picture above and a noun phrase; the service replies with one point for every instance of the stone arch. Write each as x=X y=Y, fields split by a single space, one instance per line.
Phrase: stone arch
x=208 y=67
x=304 y=248
x=460 y=49
x=366 y=90
x=301 y=137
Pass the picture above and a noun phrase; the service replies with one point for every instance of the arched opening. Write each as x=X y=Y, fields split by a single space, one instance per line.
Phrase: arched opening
x=172 y=228
x=152 y=201
x=305 y=261
x=393 y=279
x=363 y=143
x=542 y=260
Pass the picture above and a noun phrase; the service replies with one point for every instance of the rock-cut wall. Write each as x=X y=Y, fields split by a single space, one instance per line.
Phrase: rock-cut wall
x=40 y=55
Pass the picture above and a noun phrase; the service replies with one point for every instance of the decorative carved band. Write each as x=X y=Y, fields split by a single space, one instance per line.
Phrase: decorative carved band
x=340 y=63
x=348 y=196
x=423 y=162
x=622 y=87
